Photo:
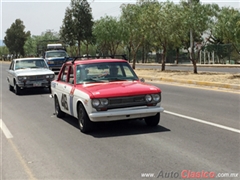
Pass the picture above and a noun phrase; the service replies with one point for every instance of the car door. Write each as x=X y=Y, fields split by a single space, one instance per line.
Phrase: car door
x=65 y=87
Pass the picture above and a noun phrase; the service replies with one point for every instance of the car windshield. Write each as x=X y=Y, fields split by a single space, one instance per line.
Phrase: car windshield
x=56 y=54
x=105 y=72
x=36 y=63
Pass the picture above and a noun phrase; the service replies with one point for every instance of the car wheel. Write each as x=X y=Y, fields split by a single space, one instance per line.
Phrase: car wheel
x=58 y=112
x=17 y=89
x=10 y=87
x=49 y=89
x=153 y=120
x=85 y=124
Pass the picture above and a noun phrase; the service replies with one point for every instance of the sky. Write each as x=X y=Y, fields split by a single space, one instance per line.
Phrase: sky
x=41 y=15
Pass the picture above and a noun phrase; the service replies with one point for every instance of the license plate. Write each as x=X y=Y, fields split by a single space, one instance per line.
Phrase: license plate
x=37 y=84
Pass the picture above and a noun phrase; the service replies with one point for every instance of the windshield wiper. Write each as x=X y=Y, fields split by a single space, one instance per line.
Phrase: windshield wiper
x=117 y=79
x=35 y=67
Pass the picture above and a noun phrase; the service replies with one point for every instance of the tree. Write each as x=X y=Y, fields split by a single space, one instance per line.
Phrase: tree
x=77 y=23
x=108 y=32
x=132 y=19
x=16 y=37
x=30 y=46
x=163 y=26
x=47 y=37
x=66 y=30
x=227 y=27
x=197 y=19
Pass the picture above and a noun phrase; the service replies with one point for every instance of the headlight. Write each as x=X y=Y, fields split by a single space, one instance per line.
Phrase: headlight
x=50 y=76
x=22 y=78
x=156 y=97
x=148 y=98
x=50 y=62
x=104 y=102
x=99 y=103
x=95 y=103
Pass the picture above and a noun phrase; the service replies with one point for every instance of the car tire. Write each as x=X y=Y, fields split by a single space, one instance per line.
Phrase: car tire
x=49 y=89
x=58 y=112
x=17 y=89
x=85 y=124
x=153 y=120
x=11 y=87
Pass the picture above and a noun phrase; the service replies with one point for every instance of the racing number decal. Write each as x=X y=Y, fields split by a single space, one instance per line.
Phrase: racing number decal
x=64 y=101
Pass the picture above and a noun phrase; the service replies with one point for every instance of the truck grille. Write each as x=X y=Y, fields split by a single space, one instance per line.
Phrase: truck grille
x=56 y=62
x=131 y=101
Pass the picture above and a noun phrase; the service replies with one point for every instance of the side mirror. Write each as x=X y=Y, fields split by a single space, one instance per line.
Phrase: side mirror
x=142 y=80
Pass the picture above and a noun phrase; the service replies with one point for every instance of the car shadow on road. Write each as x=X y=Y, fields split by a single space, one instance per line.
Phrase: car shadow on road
x=34 y=91
x=118 y=128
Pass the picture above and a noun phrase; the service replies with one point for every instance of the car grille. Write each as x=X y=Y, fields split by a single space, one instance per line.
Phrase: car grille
x=131 y=101
x=58 y=62
x=40 y=77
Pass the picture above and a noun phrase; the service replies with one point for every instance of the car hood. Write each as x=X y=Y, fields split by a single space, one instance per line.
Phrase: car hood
x=33 y=72
x=118 y=89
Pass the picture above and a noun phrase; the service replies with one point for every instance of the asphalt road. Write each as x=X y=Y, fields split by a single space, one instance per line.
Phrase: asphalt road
x=198 y=133
x=180 y=67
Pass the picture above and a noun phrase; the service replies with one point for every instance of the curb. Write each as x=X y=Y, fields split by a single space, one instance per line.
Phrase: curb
x=201 y=83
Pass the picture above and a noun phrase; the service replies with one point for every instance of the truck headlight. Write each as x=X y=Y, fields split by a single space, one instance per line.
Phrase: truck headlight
x=50 y=62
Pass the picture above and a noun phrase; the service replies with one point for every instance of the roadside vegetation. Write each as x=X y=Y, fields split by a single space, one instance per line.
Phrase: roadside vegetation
x=145 y=29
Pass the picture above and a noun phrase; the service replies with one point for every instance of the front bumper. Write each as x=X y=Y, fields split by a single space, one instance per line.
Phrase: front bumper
x=55 y=68
x=125 y=113
x=34 y=84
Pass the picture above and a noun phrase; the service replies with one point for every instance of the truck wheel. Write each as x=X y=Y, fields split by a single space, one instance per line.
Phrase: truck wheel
x=85 y=124
x=59 y=113
x=153 y=120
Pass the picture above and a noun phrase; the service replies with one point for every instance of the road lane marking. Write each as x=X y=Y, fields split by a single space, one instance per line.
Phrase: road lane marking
x=204 y=122
x=5 y=130
x=23 y=162
x=8 y=135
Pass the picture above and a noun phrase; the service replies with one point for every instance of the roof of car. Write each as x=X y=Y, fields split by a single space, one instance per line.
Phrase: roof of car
x=30 y=58
x=92 y=61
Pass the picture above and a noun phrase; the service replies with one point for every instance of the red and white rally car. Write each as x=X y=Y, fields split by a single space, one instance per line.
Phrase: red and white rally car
x=98 y=90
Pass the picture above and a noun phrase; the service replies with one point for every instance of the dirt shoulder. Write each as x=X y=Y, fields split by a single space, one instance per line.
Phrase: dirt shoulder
x=185 y=76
